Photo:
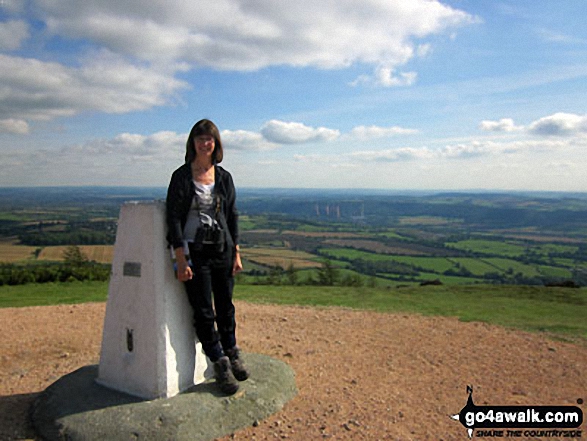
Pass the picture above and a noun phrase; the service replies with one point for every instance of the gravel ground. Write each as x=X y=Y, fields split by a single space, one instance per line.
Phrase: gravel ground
x=361 y=375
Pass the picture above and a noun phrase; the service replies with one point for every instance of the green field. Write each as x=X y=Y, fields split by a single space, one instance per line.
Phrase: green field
x=43 y=294
x=449 y=280
x=558 y=311
x=489 y=247
x=433 y=264
x=393 y=235
x=434 y=267
x=505 y=265
x=552 y=271
x=555 y=248
x=554 y=310
x=456 y=238
x=352 y=254
x=477 y=267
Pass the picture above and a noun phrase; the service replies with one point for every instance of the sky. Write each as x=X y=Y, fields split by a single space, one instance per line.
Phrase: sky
x=375 y=94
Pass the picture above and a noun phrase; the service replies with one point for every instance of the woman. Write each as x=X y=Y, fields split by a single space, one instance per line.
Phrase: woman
x=202 y=220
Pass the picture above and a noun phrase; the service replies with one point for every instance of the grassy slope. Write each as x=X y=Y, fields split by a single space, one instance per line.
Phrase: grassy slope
x=43 y=294
x=557 y=310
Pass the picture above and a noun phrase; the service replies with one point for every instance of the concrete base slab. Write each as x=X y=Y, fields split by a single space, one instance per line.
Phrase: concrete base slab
x=76 y=408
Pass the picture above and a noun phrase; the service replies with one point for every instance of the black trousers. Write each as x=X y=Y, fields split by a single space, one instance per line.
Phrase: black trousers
x=210 y=294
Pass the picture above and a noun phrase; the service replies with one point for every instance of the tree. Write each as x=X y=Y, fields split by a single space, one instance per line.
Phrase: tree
x=275 y=274
x=353 y=279
x=292 y=274
x=327 y=274
x=73 y=256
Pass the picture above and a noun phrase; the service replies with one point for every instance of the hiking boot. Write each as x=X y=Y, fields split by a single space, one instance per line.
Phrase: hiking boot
x=236 y=362
x=224 y=376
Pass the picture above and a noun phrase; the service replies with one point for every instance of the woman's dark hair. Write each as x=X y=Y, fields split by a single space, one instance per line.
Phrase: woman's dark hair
x=204 y=127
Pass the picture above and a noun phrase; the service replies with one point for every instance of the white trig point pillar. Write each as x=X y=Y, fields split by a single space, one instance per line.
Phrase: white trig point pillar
x=149 y=347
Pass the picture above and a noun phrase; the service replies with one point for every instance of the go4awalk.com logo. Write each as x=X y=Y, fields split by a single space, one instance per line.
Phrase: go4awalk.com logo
x=520 y=421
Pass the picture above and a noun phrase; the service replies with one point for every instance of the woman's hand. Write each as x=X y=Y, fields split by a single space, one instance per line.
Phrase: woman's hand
x=237 y=267
x=184 y=272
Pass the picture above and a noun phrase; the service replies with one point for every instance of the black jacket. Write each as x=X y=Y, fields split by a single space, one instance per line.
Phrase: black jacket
x=180 y=194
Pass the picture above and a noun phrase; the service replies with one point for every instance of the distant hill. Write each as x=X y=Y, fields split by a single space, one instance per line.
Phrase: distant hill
x=555 y=210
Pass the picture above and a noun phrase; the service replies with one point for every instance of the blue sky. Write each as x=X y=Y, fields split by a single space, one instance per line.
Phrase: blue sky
x=418 y=94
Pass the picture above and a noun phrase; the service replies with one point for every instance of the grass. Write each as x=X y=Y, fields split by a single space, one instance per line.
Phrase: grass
x=504 y=265
x=489 y=247
x=44 y=294
x=555 y=248
x=557 y=272
x=391 y=234
x=353 y=254
x=557 y=311
x=449 y=280
x=434 y=264
x=560 y=311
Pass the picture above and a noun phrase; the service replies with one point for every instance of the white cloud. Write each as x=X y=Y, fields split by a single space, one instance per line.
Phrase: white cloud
x=125 y=159
x=470 y=150
x=12 y=34
x=14 y=126
x=165 y=143
x=503 y=125
x=374 y=132
x=37 y=90
x=13 y=6
x=245 y=140
x=137 y=52
x=394 y=155
x=559 y=124
x=559 y=37
x=245 y=35
x=424 y=50
x=386 y=76
x=313 y=157
x=132 y=146
x=131 y=159
x=282 y=132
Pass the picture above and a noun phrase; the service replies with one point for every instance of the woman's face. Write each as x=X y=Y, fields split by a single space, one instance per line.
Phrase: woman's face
x=204 y=145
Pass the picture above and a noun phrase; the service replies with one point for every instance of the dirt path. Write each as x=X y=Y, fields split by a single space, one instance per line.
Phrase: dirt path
x=361 y=375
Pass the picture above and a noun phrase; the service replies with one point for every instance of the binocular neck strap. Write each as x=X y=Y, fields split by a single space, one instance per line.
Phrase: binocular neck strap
x=217 y=204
